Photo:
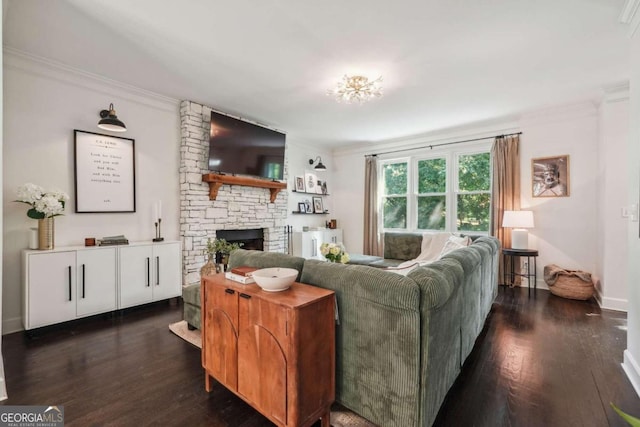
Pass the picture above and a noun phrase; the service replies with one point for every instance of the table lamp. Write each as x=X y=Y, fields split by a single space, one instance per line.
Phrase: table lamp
x=518 y=221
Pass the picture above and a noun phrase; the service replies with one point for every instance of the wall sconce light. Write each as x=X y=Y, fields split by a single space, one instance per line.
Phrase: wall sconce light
x=518 y=221
x=319 y=166
x=109 y=121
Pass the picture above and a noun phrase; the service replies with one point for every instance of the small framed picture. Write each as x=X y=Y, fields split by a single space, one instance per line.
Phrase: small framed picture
x=317 y=205
x=302 y=207
x=310 y=180
x=550 y=176
x=324 y=187
x=300 y=184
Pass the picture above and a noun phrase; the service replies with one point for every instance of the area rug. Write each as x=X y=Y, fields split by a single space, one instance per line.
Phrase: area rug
x=340 y=417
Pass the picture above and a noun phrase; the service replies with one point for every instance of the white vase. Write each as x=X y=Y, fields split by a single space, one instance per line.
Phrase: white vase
x=33 y=238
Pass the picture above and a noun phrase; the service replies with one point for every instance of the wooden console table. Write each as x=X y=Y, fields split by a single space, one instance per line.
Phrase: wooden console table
x=274 y=350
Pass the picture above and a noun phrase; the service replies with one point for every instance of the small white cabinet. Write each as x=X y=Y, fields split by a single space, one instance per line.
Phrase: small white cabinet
x=149 y=273
x=63 y=285
x=306 y=244
x=69 y=283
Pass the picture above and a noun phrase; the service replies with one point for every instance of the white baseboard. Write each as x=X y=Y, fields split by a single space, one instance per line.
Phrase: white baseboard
x=632 y=369
x=12 y=325
x=616 y=304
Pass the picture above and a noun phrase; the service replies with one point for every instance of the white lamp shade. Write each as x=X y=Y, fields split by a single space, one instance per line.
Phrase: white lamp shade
x=517 y=219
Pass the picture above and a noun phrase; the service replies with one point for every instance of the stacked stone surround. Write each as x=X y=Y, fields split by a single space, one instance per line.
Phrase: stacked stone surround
x=236 y=207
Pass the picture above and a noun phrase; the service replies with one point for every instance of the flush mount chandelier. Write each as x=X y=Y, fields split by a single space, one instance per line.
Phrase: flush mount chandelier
x=356 y=89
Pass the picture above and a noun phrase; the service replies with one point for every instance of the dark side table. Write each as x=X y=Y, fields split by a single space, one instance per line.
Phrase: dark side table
x=510 y=256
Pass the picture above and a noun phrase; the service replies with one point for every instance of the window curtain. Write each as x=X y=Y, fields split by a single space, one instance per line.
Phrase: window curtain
x=505 y=157
x=372 y=244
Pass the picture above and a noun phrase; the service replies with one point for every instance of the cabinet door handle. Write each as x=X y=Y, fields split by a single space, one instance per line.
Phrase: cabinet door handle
x=230 y=291
x=157 y=271
x=245 y=296
x=148 y=272
x=83 y=281
x=69 y=283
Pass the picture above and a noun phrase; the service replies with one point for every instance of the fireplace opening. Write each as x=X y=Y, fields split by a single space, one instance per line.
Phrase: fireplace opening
x=252 y=239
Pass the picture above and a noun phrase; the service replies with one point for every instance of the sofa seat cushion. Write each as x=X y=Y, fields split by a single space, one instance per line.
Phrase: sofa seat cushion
x=191 y=294
x=359 y=259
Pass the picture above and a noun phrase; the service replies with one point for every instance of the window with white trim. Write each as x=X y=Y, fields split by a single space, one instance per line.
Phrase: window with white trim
x=440 y=191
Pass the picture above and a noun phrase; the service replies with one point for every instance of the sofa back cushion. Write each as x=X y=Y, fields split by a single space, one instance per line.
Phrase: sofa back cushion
x=403 y=246
x=377 y=340
x=260 y=259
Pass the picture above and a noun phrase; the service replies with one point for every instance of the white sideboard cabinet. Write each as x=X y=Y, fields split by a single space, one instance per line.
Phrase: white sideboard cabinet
x=63 y=285
x=73 y=282
x=306 y=244
x=149 y=273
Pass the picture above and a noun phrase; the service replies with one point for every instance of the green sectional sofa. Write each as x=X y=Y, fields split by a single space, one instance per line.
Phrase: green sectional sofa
x=400 y=340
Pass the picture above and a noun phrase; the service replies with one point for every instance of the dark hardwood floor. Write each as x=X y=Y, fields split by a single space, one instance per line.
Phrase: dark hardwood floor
x=540 y=361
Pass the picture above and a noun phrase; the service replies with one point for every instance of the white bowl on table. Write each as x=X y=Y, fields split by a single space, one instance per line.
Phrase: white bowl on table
x=275 y=279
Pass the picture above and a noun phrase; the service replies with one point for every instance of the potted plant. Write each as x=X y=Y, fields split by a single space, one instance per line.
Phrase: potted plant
x=220 y=249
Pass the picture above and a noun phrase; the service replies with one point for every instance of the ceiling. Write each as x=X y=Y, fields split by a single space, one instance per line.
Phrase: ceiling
x=444 y=63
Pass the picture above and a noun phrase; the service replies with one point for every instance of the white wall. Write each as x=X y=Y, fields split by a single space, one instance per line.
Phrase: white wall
x=631 y=363
x=298 y=155
x=43 y=103
x=564 y=232
x=565 y=227
x=612 y=198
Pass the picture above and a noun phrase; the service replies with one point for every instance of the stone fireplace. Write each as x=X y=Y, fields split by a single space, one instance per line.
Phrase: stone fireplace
x=236 y=207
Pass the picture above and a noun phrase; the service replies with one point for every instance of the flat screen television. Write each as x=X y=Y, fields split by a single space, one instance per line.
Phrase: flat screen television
x=239 y=147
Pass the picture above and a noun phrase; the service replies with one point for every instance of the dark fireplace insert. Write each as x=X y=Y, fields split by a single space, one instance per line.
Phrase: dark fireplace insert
x=251 y=239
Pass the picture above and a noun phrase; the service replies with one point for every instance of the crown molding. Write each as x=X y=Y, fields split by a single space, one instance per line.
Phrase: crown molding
x=616 y=92
x=560 y=113
x=418 y=142
x=630 y=16
x=49 y=69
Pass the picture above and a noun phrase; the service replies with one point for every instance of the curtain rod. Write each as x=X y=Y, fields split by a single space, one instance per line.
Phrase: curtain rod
x=446 y=143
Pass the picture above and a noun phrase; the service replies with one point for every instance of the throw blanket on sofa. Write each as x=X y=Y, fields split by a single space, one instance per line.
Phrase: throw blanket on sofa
x=552 y=272
x=434 y=247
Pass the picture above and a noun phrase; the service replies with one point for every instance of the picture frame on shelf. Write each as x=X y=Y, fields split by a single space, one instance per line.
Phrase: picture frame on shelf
x=550 y=176
x=317 y=205
x=302 y=207
x=319 y=187
x=308 y=206
x=323 y=187
x=104 y=173
x=300 y=187
x=310 y=182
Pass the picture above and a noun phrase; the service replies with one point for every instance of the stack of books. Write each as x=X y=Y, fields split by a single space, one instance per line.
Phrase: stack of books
x=114 y=240
x=241 y=275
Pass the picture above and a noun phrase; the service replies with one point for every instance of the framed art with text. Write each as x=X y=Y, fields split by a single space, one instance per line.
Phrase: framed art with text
x=104 y=167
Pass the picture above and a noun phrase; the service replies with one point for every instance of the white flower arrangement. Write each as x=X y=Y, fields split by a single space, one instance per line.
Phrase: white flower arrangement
x=44 y=204
x=334 y=252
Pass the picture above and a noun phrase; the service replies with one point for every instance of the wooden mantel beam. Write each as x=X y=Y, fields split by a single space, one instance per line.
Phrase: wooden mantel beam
x=216 y=181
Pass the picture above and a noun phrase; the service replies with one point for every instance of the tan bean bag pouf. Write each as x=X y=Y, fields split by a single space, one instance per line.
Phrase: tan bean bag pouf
x=573 y=284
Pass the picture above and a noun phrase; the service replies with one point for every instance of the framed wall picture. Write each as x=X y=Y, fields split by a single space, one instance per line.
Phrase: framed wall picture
x=310 y=180
x=550 y=176
x=302 y=207
x=317 y=205
x=300 y=184
x=104 y=167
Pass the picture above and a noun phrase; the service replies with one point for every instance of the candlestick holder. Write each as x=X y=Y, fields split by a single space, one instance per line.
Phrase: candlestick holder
x=158 y=237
